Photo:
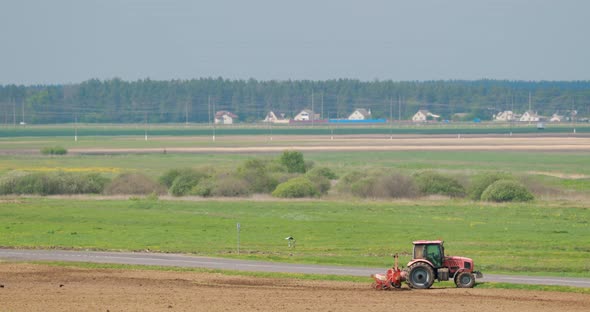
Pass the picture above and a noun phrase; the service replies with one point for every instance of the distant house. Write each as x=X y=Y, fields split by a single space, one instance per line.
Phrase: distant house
x=306 y=115
x=531 y=116
x=225 y=117
x=276 y=117
x=360 y=114
x=423 y=115
x=505 y=116
x=556 y=118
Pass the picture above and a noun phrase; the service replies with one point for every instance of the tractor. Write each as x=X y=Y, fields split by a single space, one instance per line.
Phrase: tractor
x=429 y=263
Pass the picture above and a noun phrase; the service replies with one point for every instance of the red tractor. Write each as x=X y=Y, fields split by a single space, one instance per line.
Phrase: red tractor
x=429 y=263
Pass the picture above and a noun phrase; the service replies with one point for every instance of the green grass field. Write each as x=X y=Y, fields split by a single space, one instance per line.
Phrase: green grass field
x=533 y=238
x=156 y=164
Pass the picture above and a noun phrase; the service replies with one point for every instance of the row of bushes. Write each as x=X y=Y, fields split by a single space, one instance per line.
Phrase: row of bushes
x=496 y=187
x=289 y=176
x=54 y=150
x=43 y=183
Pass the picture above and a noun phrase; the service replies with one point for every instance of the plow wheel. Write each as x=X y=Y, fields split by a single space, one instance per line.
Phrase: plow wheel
x=421 y=276
x=464 y=280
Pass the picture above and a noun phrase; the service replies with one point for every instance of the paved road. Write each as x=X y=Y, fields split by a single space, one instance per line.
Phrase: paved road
x=179 y=260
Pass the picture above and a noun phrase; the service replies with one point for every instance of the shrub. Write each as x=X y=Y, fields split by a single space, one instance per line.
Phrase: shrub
x=9 y=182
x=363 y=187
x=295 y=188
x=50 y=183
x=230 y=187
x=480 y=182
x=506 y=190
x=256 y=174
x=293 y=161
x=322 y=172
x=396 y=185
x=184 y=182
x=203 y=188
x=321 y=177
x=389 y=185
x=345 y=183
x=132 y=183
x=169 y=176
x=54 y=150
x=430 y=182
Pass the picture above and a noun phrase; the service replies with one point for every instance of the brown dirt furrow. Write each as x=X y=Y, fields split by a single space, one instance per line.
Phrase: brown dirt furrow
x=29 y=287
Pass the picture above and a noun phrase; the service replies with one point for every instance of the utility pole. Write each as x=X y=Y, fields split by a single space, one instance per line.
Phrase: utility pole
x=214 y=112
x=76 y=127
x=390 y=118
x=145 y=124
x=23 y=107
x=209 y=110
x=186 y=113
x=573 y=114
x=322 y=110
x=13 y=112
x=312 y=111
x=399 y=108
x=530 y=107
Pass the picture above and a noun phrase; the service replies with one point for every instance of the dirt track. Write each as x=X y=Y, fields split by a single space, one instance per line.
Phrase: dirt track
x=45 y=288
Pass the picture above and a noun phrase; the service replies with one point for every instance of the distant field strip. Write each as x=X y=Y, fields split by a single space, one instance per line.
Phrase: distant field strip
x=204 y=130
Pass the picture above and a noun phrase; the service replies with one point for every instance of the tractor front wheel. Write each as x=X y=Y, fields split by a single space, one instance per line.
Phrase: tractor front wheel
x=465 y=280
x=421 y=276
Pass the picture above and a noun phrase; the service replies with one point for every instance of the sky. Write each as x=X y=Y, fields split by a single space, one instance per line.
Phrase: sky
x=70 y=41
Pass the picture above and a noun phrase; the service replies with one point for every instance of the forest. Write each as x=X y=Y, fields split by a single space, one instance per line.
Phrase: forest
x=196 y=100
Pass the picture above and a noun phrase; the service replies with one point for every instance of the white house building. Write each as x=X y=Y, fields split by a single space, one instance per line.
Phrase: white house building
x=505 y=116
x=225 y=117
x=531 y=116
x=276 y=117
x=423 y=114
x=360 y=114
x=306 y=114
x=556 y=118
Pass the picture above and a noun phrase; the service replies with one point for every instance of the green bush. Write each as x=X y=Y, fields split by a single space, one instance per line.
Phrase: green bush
x=257 y=173
x=132 y=183
x=506 y=190
x=51 y=183
x=293 y=161
x=9 y=182
x=480 y=183
x=184 y=182
x=295 y=188
x=54 y=150
x=203 y=188
x=230 y=187
x=321 y=177
x=345 y=183
x=387 y=185
x=322 y=172
x=430 y=182
x=169 y=176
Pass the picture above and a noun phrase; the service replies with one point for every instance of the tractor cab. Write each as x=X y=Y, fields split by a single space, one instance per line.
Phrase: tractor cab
x=433 y=251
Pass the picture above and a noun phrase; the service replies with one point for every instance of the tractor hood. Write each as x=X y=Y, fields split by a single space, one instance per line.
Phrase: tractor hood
x=456 y=263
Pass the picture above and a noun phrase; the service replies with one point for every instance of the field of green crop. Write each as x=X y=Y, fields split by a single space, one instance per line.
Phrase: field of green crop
x=533 y=238
x=90 y=130
x=557 y=163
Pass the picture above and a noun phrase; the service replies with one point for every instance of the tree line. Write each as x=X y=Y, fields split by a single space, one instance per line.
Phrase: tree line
x=196 y=100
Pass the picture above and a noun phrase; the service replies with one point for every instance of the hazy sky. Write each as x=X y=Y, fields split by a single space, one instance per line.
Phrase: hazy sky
x=63 y=41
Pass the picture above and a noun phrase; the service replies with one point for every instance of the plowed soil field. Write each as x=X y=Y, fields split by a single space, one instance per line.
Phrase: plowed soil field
x=27 y=287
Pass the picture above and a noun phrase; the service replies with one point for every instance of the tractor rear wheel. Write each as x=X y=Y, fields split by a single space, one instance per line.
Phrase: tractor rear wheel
x=465 y=280
x=421 y=275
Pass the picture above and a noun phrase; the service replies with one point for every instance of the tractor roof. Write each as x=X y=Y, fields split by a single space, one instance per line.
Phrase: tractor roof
x=425 y=242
